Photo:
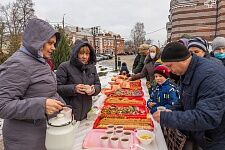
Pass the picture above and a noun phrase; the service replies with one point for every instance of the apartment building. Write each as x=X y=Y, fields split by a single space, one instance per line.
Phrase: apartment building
x=204 y=18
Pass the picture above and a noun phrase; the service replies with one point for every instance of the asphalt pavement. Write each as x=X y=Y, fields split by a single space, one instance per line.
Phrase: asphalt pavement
x=128 y=59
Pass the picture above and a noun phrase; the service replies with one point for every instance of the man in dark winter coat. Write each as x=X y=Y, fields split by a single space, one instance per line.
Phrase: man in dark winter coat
x=143 y=50
x=78 y=80
x=201 y=110
x=136 y=60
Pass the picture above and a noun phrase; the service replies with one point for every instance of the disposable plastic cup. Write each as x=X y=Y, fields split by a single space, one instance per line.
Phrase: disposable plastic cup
x=109 y=132
x=114 y=141
x=110 y=127
x=127 y=134
x=119 y=133
x=104 y=140
x=119 y=127
x=161 y=108
x=124 y=142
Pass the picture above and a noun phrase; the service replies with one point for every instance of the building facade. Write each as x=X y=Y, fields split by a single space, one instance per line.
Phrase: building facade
x=103 y=42
x=204 y=18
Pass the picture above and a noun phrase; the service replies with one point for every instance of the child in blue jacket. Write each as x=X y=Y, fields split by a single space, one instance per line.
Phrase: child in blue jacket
x=165 y=93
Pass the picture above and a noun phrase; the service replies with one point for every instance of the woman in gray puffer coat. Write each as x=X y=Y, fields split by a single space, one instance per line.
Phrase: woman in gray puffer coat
x=78 y=80
x=28 y=89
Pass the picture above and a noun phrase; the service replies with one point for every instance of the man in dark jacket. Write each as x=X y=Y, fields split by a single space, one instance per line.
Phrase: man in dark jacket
x=78 y=80
x=201 y=109
x=143 y=50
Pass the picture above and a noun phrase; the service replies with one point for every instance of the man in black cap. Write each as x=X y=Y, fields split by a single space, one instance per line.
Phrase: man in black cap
x=201 y=109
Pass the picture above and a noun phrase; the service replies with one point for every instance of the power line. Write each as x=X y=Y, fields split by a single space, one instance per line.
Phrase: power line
x=156 y=30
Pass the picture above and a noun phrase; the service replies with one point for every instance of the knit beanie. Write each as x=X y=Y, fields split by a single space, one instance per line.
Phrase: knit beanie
x=174 y=52
x=143 y=48
x=184 y=41
x=199 y=43
x=218 y=42
x=162 y=70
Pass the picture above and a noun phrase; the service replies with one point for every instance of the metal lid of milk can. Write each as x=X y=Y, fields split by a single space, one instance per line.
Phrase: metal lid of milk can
x=62 y=119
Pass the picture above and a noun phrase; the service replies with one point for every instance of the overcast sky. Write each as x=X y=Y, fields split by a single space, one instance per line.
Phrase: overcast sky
x=118 y=16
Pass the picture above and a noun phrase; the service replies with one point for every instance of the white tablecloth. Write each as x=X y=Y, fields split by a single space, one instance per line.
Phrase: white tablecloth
x=86 y=125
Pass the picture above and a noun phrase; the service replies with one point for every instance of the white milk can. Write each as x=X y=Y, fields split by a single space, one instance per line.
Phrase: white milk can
x=60 y=133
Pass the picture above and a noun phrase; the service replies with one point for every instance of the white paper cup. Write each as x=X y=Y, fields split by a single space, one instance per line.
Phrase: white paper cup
x=114 y=141
x=109 y=132
x=110 y=127
x=124 y=142
x=119 y=133
x=127 y=134
x=161 y=108
x=104 y=140
x=119 y=127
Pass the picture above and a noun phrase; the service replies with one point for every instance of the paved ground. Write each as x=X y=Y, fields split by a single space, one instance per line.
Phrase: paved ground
x=129 y=59
x=110 y=63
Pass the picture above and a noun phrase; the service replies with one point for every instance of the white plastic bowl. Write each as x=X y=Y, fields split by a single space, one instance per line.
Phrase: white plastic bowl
x=145 y=136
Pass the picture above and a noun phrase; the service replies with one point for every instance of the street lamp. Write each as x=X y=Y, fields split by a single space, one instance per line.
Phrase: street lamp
x=94 y=31
x=211 y=4
x=115 y=45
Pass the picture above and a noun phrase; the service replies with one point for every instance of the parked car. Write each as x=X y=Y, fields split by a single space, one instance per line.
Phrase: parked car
x=103 y=56
x=108 y=55
x=99 y=57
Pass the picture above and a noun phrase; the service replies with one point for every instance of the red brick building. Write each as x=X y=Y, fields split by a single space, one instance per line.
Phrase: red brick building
x=204 y=18
x=104 y=41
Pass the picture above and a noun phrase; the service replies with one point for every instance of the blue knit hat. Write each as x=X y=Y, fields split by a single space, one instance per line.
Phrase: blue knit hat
x=199 y=43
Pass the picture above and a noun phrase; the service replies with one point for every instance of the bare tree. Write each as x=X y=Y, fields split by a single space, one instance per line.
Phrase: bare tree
x=2 y=28
x=129 y=46
x=138 y=35
x=26 y=10
x=15 y=16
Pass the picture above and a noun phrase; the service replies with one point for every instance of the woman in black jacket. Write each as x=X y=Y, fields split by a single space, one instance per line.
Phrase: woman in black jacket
x=78 y=80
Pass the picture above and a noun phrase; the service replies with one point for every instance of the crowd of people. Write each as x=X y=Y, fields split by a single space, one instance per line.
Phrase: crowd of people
x=185 y=78
x=188 y=81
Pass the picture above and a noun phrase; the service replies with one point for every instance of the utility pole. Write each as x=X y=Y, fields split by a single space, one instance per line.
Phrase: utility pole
x=115 y=45
x=63 y=21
